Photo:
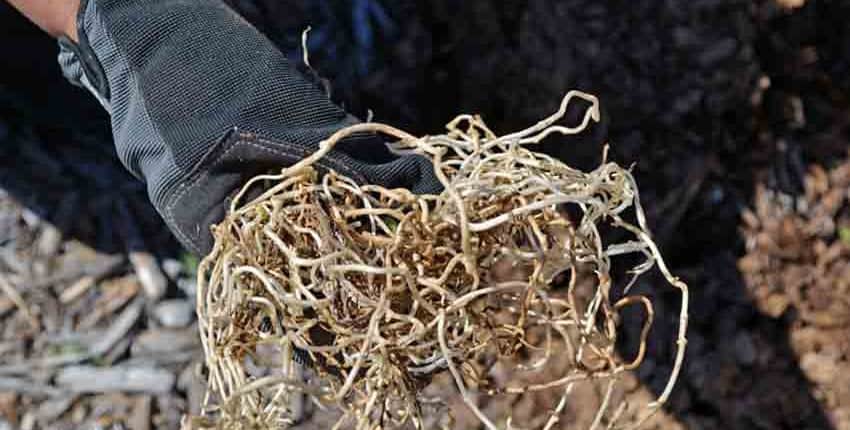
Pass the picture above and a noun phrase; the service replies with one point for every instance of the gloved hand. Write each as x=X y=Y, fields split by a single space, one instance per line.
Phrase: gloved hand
x=201 y=101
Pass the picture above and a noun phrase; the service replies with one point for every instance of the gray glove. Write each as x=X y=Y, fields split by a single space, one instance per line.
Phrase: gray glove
x=201 y=101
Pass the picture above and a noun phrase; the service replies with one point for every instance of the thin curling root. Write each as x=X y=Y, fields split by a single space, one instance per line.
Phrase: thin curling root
x=383 y=292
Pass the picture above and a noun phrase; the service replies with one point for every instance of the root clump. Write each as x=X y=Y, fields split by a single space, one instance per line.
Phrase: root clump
x=379 y=290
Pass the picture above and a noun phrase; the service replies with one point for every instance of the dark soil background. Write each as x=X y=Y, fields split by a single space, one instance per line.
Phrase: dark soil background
x=710 y=99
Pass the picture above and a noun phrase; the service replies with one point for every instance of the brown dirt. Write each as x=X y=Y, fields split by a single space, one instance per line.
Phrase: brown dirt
x=797 y=267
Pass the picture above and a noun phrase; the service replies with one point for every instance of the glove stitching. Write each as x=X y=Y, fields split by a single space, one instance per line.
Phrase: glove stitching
x=325 y=163
x=194 y=182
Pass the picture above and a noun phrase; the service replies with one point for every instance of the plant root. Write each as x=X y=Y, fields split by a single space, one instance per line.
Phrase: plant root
x=382 y=289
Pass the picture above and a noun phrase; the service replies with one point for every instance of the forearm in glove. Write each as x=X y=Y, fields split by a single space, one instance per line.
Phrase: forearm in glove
x=201 y=101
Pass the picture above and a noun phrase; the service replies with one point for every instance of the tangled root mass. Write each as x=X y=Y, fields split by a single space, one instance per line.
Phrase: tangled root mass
x=380 y=290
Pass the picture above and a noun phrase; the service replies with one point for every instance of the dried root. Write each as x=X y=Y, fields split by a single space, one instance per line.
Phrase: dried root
x=381 y=289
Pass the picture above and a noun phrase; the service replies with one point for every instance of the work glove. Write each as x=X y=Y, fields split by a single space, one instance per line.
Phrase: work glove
x=200 y=102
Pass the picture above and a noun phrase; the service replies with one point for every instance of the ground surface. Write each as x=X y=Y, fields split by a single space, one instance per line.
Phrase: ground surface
x=735 y=113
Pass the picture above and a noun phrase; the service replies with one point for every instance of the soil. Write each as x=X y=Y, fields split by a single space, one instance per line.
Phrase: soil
x=735 y=114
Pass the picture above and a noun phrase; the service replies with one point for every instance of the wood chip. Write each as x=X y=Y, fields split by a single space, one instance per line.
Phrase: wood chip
x=49 y=241
x=91 y=379
x=144 y=263
x=116 y=293
x=194 y=387
x=76 y=290
x=53 y=408
x=140 y=418
x=27 y=386
x=6 y=305
x=119 y=328
x=165 y=341
x=74 y=270
x=28 y=421
x=9 y=406
x=12 y=294
x=174 y=313
x=150 y=275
